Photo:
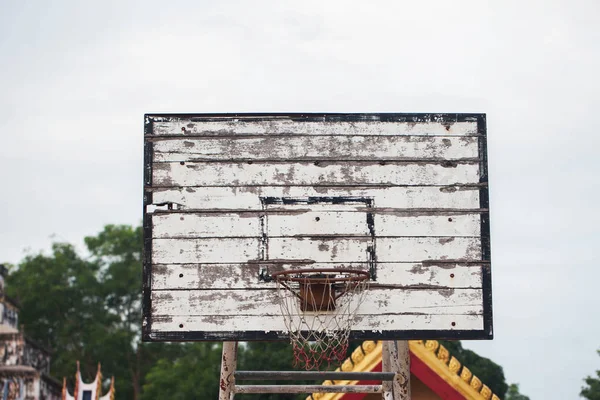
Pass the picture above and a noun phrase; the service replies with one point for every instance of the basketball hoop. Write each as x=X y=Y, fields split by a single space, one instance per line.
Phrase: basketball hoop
x=319 y=307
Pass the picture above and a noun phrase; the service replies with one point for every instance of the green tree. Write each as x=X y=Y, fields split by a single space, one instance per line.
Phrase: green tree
x=592 y=389
x=117 y=251
x=89 y=309
x=514 y=394
x=61 y=307
x=485 y=369
x=193 y=375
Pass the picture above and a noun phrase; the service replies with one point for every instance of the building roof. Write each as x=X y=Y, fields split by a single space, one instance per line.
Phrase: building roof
x=95 y=387
x=431 y=362
x=17 y=370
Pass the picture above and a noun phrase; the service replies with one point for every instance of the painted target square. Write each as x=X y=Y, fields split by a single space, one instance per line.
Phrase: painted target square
x=231 y=198
x=318 y=219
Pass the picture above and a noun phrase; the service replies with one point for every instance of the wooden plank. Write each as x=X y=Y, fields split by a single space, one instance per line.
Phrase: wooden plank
x=274 y=323
x=286 y=126
x=320 y=250
x=186 y=225
x=266 y=302
x=385 y=224
x=178 y=251
x=427 y=248
x=317 y=148
x=241 y=250
x=245 y=276
x=401 y=249
x=310 y=223
x=406 y=224
x=344 y=174
x=317 y=223
x=248 y=198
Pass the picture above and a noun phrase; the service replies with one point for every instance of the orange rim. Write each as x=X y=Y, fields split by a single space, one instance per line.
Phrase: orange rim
x=321 y=275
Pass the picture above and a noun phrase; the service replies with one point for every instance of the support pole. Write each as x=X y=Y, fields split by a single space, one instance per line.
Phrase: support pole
x=395 y=357
x=228 y=366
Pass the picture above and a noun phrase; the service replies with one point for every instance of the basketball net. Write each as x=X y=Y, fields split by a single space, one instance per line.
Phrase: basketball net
x=319 y=310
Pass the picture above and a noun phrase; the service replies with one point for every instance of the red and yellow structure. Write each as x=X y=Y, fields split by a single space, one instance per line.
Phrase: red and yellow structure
x=435 y=374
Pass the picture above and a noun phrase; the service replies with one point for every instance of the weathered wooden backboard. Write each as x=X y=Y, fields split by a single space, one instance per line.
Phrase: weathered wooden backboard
x=230 y=196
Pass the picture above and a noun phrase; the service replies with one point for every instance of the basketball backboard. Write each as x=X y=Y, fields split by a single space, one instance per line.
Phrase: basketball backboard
x=231 y=198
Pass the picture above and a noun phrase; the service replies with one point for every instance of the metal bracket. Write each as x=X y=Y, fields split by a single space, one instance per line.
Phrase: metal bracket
x=264 y=275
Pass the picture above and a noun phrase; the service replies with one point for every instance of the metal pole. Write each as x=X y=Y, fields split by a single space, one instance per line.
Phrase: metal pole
x=395 y=357
x=228 y=366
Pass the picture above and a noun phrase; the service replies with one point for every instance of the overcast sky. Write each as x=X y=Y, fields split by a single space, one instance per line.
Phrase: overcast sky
x=76 y=79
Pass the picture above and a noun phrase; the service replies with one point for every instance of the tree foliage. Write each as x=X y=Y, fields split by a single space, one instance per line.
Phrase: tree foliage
x=592 y=389
x=194 y=374
x=88 y=309
x=514 y=394
x=62 y=307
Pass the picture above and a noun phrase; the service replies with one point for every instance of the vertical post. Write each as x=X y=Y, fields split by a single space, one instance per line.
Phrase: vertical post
x=228 y=366
x=395 y=357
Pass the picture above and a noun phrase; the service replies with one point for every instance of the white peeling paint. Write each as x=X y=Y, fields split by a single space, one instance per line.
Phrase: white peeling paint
x=286 y=126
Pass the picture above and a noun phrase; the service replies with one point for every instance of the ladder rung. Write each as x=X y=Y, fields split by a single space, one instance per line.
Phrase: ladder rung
x=313 y=375
x=308 y=389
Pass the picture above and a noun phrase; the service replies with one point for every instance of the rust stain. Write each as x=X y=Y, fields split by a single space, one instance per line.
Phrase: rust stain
x=323 y=247
x=468 y=139
x=211 y=319
x=158 y=269
x=418 y=269
x=474 y=250
x=446 y=240
x=447 y=264
x=162 y=296
x=420 y=212
x=446 y=292
x=449 y=164
x=276 y=261
x=452 y=189
x=448 y=189
x=334 y=252
x=162 y=318
x=448 y=125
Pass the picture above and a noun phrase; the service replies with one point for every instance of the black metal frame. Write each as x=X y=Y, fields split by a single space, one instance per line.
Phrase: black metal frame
x=480 y=119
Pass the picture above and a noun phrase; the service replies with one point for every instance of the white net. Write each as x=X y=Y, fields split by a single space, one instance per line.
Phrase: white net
x=319 y=310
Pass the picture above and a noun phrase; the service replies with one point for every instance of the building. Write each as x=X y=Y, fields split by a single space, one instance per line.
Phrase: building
x=25 y=365
x=88 y=391
x=435 y=374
